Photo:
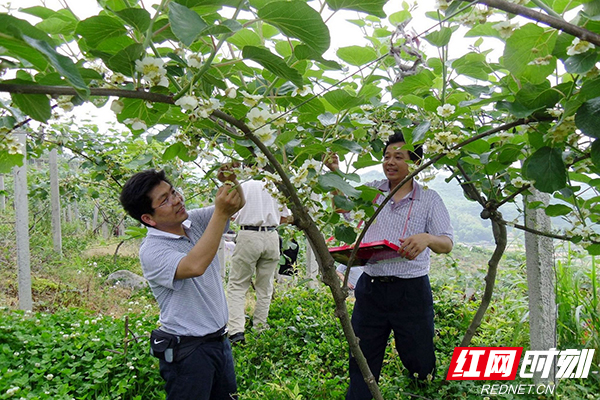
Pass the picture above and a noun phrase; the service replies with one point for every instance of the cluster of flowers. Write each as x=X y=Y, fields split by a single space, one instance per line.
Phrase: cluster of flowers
x=261 y=120
x=198 y=107
x=9 y=142
x=443 y=141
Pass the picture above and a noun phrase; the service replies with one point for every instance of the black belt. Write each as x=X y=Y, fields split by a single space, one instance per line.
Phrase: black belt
x=385 y=279
x=217 y=336
x=257 y=228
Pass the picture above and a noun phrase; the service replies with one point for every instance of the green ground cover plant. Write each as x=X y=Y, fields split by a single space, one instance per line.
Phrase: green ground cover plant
x=86 y=339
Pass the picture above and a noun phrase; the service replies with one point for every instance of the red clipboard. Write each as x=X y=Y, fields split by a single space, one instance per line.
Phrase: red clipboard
x=367 y=252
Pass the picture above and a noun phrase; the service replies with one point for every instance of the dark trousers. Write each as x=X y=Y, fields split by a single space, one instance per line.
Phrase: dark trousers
x=206 y=374
x=404 y=306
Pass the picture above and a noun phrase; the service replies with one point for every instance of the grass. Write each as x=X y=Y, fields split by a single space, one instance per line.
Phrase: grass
x=88 y=340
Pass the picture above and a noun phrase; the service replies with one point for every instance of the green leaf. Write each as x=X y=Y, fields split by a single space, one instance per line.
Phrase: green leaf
x=23 y=52
x=414 y=84
x=136 y=17
x=332 y=181
x=524 y=46
x=547 y=169
x=440 y=38
x=124 y=61
x=346 y=145
x=399 y=17
x=515 y=108
x=345 y=234
x=473 y=65
x=99 y=28
x=589 y=89
x=62 y=22
x=15 y=27
x=556 y=210
x=357 y=55
x=185 y=23
x=37 y=106
x=588 y=117
x=173 y=151
x=327 y=119
x=419 y=132
x=593 y=249
x=137 y=108
x=303 y=52
x=136 y=232
x=485 y=29
x=509 y=153
x=64 y=65
x=535 y=97
x=581 y=63
x=245 y=37
x=373 y=7
x=342 y=100
x=273 y=63
x=595 y=153
x=299 y=20
x=9 y=161
x=343 y=203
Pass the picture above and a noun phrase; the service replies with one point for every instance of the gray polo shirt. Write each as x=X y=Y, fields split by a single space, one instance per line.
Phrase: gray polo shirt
x=189 y=307
x=421 y=211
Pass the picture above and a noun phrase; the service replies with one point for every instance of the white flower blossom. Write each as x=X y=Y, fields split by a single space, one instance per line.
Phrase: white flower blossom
x=446 y=110
x=231 y=92
x=117 y=79
x=194 y=60
x=117 y=106
x=442 y=4
x=434 y=147
x=541 y=60
x=446 y=138
x=300 y=178
x=261 y=160
x=519 y=182
x=579 y=46
x=556 y=113
x=505 y=28
x=49 y=377
x=152 y=71
x=12 y=391
x=310 y=163
x=258 y=117
x=65 y=103
x=250 y=100
x=136 y=124
x=303 y=91
x=385 y=130
x=278 y=120
x=265 y=135
x=187 y=102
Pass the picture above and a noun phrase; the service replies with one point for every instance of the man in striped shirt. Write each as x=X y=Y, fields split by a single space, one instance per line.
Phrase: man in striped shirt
x=394 y=294
x=179 y=261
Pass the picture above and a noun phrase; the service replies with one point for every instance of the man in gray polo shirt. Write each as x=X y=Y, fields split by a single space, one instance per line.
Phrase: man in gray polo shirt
x=179 y=261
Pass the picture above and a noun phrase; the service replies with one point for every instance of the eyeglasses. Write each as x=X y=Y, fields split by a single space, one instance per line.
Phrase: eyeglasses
x=171 y=199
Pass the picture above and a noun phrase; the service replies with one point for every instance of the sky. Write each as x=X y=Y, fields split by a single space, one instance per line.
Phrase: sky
x=343 y=33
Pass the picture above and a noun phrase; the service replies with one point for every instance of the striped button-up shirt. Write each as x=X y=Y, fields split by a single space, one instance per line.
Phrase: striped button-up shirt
x=428 y=214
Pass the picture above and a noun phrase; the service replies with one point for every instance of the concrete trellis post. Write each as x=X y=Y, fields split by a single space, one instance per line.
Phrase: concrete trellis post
x=22 y=229
x=312 y=267
x=2 y=196
x=55 y=202
x=540 y=278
